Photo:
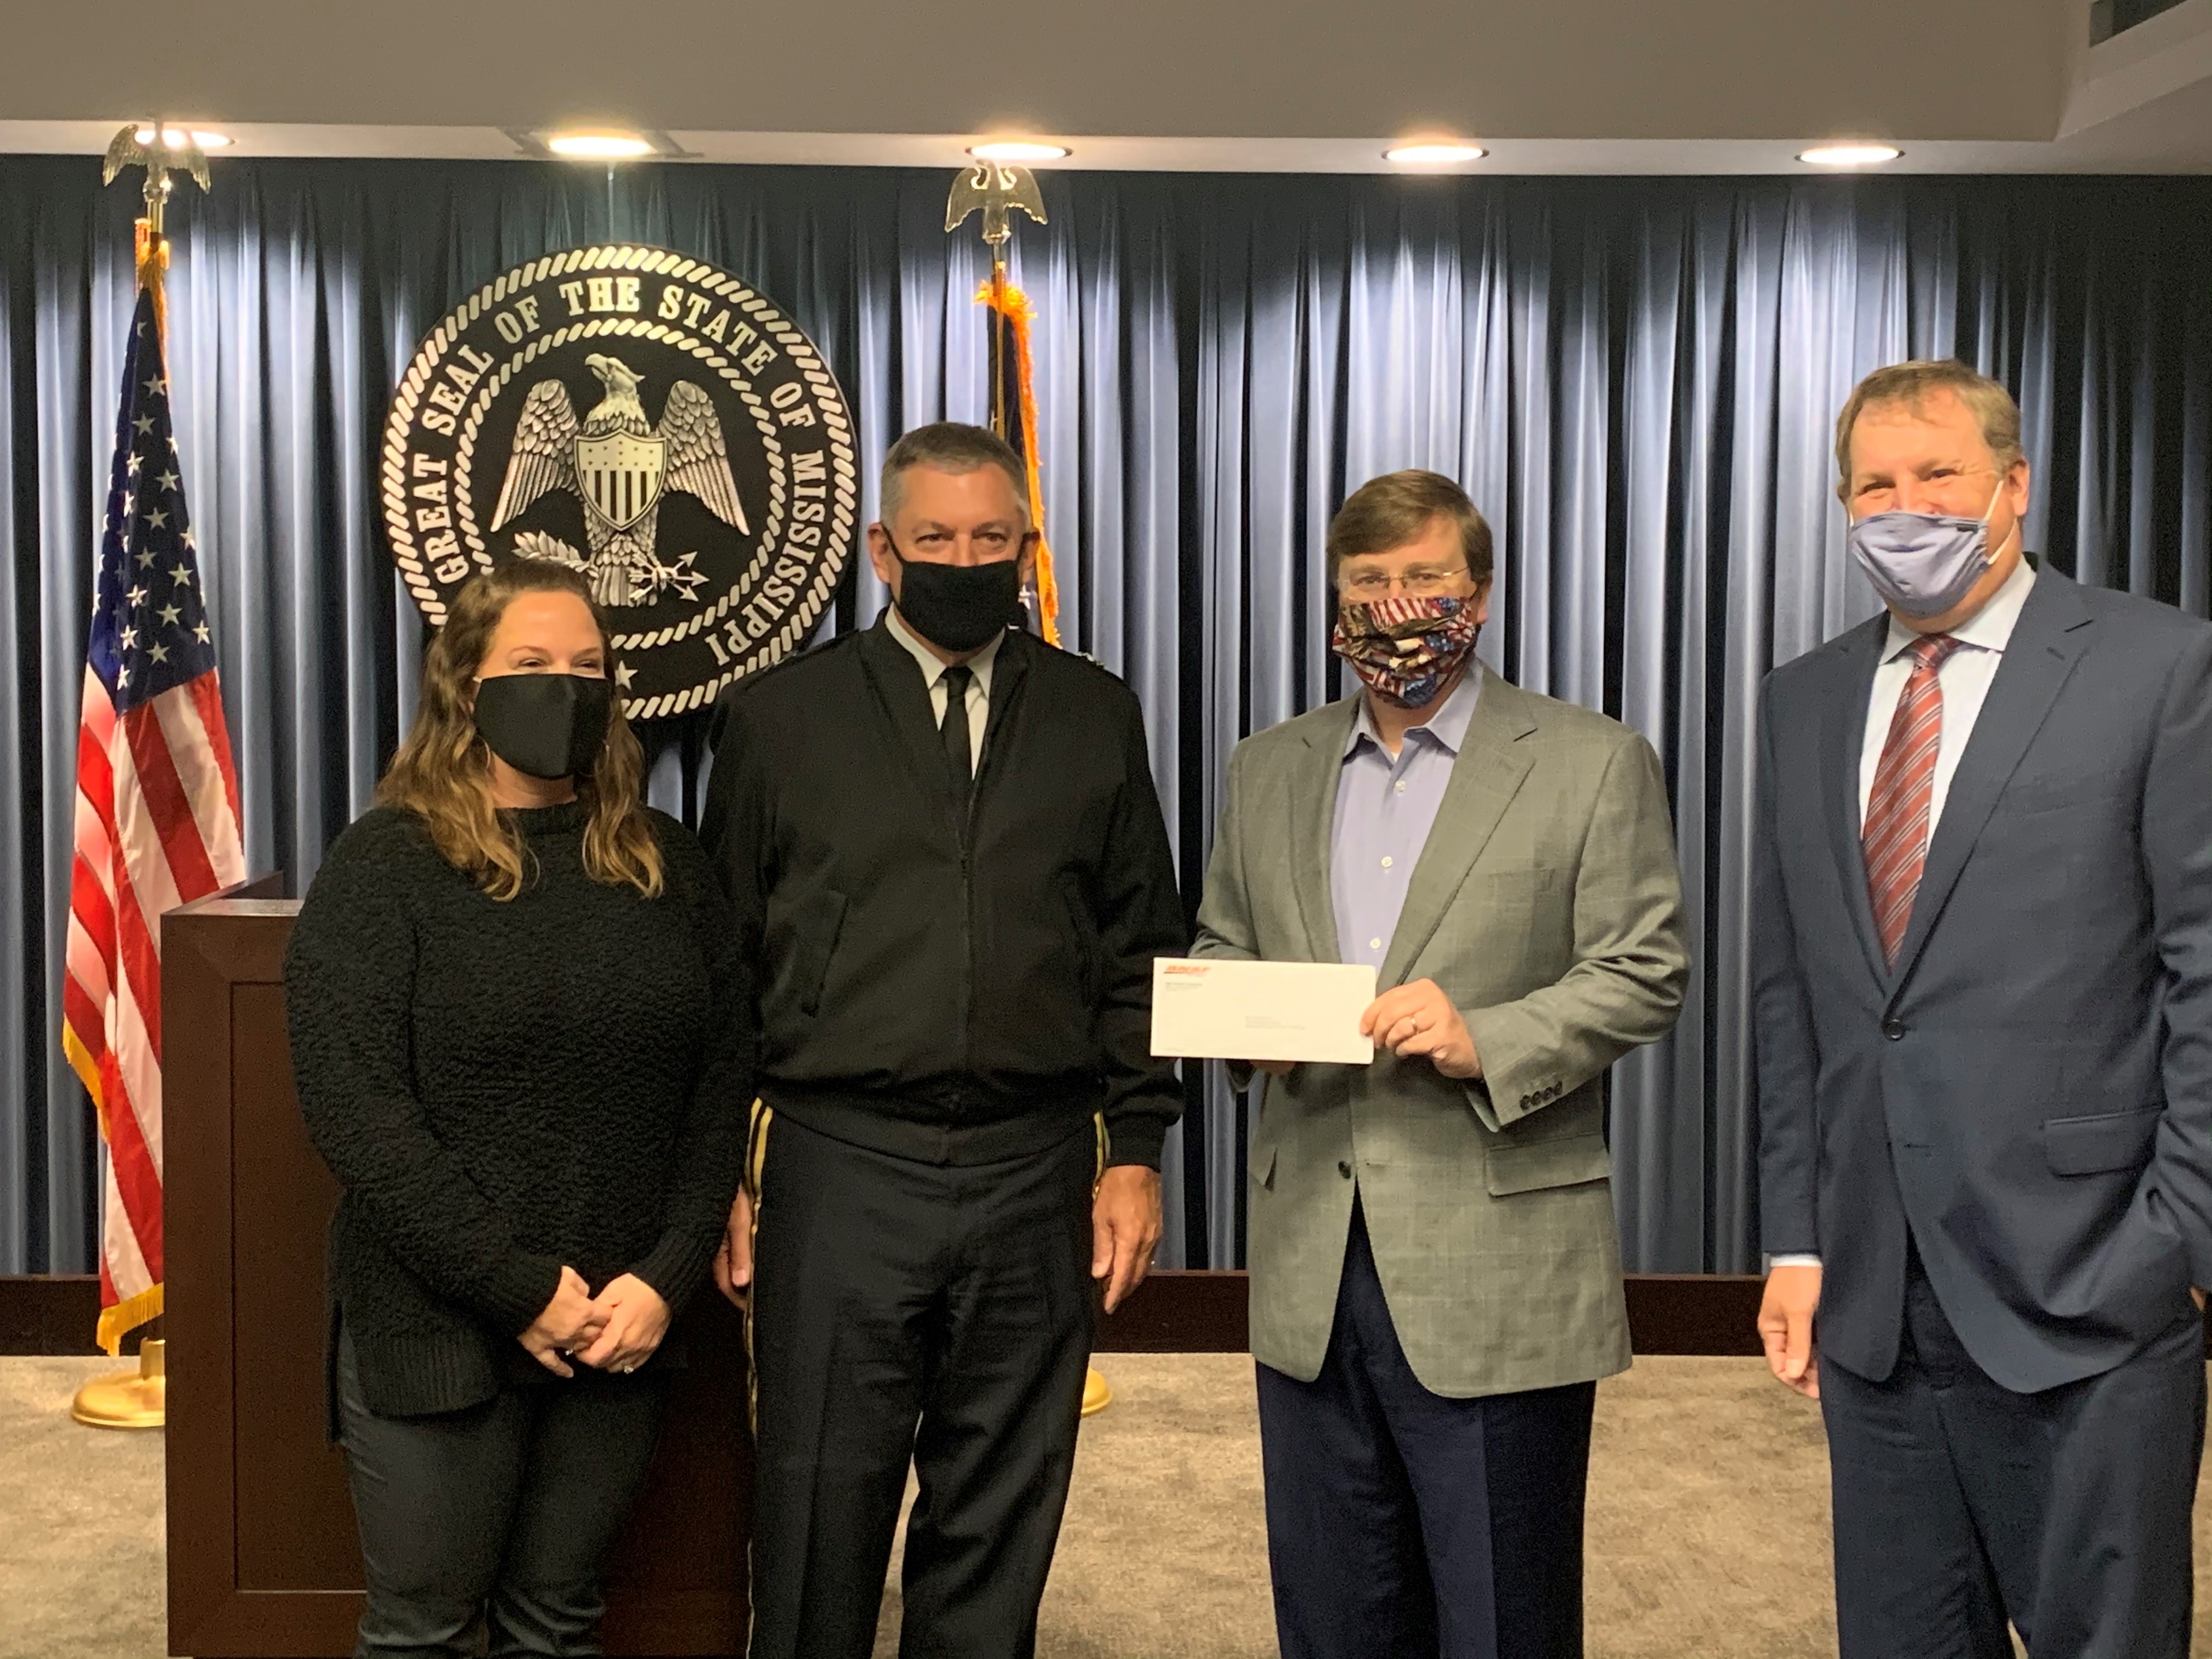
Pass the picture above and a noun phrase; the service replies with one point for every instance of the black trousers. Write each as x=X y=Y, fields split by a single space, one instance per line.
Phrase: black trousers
x=913 y=1313
x=1402 y=1524
x=493 y=1516
x=1959 y=1504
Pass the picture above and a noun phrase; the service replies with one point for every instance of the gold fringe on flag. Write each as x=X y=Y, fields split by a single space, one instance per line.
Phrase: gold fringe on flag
x=153 y=250
x=127 y=1316
x=1013 y=305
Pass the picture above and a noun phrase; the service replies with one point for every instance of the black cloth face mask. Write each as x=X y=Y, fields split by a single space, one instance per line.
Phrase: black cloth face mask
x=958 y=606
x=549 y=726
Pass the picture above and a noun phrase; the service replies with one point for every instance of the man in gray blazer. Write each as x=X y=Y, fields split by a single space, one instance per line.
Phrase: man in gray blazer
x=1436 y=1277
x=1982 y=956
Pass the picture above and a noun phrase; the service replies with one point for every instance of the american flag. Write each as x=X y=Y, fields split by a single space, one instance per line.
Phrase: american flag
x=157 y=822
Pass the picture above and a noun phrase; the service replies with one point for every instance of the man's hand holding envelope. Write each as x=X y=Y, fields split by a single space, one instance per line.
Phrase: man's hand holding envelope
x=1417 y=1019
x=1273 y=1015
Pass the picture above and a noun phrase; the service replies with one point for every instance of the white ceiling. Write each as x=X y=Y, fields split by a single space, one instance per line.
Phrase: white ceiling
x=1555 y=86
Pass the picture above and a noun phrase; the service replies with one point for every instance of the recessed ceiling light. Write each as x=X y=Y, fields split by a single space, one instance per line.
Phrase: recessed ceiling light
x=1432 y=155
x=598 y=146
x=1016 y=149
x=1849 y=155
x=178 y=138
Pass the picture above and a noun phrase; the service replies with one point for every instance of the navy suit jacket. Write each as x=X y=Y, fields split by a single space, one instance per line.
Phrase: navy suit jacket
x=2030 y=1091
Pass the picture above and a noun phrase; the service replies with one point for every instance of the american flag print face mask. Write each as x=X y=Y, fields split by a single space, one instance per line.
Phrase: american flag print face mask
x=1405 y=647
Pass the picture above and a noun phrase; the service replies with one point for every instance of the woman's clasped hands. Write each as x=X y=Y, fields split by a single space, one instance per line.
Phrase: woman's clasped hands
x=617 y=1330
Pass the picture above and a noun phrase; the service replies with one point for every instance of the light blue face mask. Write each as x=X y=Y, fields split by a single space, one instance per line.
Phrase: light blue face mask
x=1924 y=564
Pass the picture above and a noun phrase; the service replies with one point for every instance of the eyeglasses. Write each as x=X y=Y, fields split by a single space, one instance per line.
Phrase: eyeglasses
x=1422 y=581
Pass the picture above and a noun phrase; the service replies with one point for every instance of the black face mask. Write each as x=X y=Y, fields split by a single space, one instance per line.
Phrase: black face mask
x=958 y=606
x=549 y=726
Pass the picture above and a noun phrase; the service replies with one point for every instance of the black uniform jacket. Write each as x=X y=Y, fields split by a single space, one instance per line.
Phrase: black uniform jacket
x=949 y=985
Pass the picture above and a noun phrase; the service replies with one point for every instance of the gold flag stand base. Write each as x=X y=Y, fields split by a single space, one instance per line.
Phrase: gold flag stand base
x=139 y=1399
x=1097 y=1395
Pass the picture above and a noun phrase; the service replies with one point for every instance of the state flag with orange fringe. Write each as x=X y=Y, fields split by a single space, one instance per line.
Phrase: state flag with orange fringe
x=1018 y=396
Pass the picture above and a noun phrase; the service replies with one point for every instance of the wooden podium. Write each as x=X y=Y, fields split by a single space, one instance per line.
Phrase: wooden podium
x=263 y=1556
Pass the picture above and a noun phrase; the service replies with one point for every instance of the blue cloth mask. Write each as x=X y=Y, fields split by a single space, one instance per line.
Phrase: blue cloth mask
x=1924 y=564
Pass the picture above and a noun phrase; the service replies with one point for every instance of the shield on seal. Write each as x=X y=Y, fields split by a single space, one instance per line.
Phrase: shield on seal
x=620 y=475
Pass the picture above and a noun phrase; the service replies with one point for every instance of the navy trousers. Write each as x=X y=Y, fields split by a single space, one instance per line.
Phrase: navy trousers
x=1959 y=1504
x=1402 y=1524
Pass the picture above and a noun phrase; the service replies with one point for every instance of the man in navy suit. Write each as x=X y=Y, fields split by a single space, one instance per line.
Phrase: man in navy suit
x=1982 y=962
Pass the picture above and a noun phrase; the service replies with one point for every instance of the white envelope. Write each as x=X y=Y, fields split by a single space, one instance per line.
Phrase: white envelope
x=1212 y=1008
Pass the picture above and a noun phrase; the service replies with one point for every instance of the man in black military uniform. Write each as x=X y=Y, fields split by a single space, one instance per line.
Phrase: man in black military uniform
x=942 y=839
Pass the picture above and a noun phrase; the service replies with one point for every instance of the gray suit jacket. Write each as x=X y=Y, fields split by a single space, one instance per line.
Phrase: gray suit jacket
x=2031 y=1090
x=1546 y=904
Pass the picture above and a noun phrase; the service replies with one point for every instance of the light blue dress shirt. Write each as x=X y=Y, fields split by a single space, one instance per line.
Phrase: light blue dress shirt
x=1385 y=805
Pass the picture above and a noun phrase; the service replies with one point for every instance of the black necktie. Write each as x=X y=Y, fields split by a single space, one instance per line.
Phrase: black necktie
x=953 y=731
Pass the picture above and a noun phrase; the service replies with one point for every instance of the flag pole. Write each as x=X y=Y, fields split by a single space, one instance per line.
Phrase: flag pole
x=997 y=188
x=999 y=423
x=137 y=1398
x=162 y=151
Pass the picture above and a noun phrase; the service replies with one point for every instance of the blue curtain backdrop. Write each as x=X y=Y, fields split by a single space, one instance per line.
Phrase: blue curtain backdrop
x=1635 y=378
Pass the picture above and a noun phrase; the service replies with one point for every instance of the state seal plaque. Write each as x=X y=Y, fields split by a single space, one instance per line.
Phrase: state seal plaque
x=651 y=421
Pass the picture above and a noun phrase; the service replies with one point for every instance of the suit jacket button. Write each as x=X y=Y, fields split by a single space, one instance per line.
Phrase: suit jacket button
x=1893 y=1029
x=1343 y=1168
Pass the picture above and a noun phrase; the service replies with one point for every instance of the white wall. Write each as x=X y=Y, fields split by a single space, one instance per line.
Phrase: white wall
x=1536 y=68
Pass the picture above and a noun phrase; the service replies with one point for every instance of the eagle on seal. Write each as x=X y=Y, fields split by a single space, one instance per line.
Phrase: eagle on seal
x=619 y=465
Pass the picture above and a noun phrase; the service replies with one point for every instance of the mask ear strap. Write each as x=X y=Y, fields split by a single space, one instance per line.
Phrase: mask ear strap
x=1986 y=517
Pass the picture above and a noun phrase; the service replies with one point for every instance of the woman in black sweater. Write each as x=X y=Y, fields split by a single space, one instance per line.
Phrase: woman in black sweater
x=513 y=1022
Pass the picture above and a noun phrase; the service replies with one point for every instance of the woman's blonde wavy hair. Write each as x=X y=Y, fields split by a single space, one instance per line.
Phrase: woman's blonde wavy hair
x=442 y=772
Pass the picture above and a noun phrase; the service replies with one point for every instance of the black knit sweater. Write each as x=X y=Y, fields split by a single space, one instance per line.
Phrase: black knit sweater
x=504 y=1087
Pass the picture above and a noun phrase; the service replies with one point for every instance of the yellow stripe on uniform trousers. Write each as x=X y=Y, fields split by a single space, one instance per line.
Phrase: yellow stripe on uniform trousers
x=1097 y=1394
x=757 y=1128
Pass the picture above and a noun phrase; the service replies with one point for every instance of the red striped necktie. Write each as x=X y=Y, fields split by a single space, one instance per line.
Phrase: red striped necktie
x=1895 y=838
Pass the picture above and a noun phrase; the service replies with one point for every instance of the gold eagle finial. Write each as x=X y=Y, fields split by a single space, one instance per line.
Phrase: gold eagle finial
x=995 y=187
x=159 y=157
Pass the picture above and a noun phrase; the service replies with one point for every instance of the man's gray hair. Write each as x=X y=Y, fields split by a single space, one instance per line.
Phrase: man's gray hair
x=948 y=447
x=1911 y=385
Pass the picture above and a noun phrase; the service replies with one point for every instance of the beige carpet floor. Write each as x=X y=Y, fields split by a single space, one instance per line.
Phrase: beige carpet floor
x=1708 y=1531
x=1708 y=1521
x=81 y=1572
